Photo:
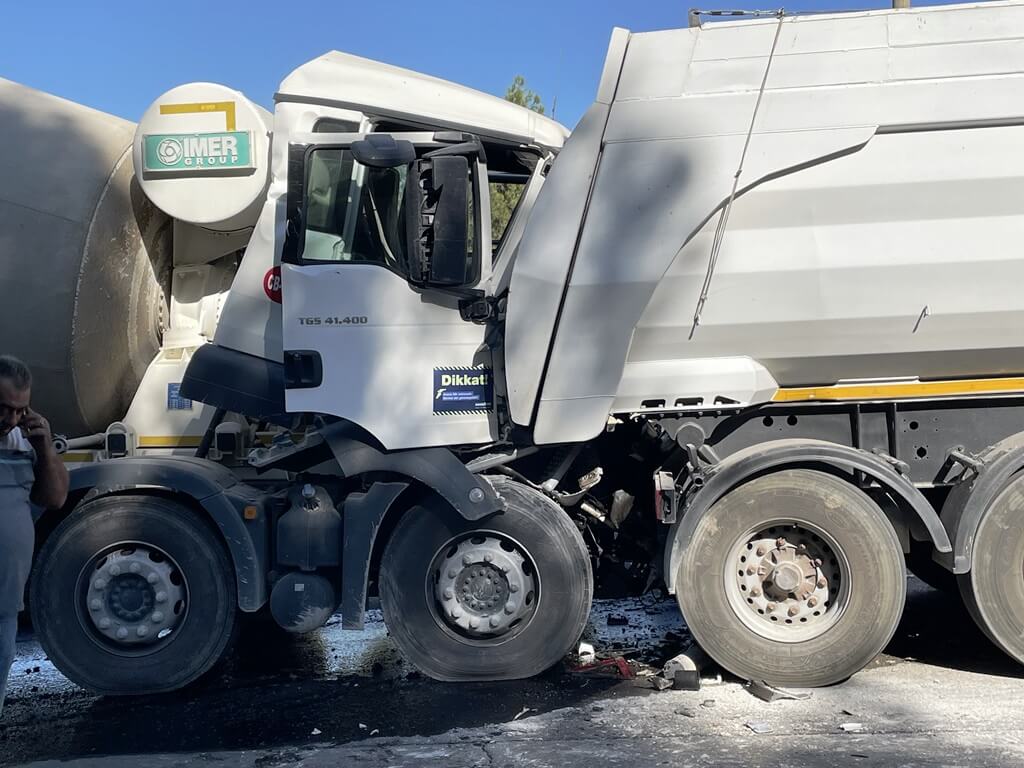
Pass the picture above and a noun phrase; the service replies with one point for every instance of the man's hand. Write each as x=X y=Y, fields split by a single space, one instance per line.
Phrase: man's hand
x=51 y=486
x=36 y=430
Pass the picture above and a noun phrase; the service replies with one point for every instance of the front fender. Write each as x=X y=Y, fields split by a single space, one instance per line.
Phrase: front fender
x=436 y=468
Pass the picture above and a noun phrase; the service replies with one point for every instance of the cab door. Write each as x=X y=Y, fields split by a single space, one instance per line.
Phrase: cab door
x=377 y=260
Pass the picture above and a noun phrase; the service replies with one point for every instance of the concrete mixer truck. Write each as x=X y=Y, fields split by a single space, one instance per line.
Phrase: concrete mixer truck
x=753 y=333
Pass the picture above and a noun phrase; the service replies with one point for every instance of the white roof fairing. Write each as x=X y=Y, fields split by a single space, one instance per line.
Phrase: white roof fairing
x=381 y=90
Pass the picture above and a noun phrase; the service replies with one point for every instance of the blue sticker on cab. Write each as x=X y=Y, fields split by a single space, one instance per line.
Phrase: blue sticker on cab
x=463 y=390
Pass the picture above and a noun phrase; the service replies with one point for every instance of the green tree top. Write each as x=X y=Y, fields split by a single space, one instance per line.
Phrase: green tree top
x=519 y=94
x=505 y=197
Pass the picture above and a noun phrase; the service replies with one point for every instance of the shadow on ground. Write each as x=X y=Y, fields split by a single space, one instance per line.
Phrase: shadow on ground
x=937 y=629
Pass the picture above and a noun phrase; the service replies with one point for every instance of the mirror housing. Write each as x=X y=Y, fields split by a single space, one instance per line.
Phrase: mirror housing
x=438 y=237
x=380 y=150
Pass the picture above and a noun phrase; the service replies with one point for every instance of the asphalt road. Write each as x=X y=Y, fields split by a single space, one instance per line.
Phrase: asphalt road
x=941 y=695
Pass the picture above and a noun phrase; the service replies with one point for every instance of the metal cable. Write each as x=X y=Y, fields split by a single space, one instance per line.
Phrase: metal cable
x=723 y=219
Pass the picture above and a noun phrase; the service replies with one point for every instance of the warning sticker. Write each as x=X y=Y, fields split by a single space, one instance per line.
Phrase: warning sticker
x=175 y=402
x=463 y=390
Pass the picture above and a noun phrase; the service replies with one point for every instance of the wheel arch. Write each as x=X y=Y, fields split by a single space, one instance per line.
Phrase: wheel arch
x=973 y=495
x=202 y=485
x=776 y=455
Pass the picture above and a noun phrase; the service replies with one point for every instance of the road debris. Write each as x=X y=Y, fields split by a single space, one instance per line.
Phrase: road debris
x=682 y=672
x=362 y=726
x=375 y=731
x=315 y=732
x=616 y=665
x=758 y=727
x=685 y=711
x=708 y=703
x=616 y=620
x=770 y=693
x=586 y=653
x=659 y=683
x=851 y=727
x=523 y=711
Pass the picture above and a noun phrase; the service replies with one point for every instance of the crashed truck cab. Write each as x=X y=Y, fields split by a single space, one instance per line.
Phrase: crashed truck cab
x=342 y=307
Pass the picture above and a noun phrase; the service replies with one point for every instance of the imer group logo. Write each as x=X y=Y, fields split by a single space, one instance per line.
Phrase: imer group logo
x=197 y=152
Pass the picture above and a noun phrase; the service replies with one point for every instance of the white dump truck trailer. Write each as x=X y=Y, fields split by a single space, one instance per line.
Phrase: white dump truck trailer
x=752 y=332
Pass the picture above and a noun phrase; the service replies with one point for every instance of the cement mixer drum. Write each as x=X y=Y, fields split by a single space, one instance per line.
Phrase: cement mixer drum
x=84 y=258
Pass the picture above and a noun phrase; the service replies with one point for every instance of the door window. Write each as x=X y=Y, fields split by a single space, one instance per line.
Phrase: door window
x=354 y=213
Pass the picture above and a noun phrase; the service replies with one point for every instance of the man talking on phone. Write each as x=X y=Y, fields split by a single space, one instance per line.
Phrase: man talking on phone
x=31 y=472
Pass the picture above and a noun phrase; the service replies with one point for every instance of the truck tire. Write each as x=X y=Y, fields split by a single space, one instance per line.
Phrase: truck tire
x=497 y=599
x=134 y=594
x=993 y=590
x=796 y=578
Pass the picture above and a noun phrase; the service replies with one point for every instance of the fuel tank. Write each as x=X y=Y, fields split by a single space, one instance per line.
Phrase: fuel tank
x=84 y=258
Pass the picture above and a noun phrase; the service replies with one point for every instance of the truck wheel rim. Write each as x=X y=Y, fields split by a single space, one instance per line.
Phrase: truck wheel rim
x=132 y=597
x=788 y=580
x=483 y=587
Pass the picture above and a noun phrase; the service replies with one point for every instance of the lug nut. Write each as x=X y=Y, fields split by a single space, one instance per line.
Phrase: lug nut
x=822 y=583
x=760 y=550
x=473 y=623
x=96 y=604
x=513 y=588
x=793 y=611
x=488 y=558
x=495 y=621
x=755 y=592
x=122 y=633
x=780 y=542
x=817 y=563
x=448 y=594
x=161 y=597
x=452 y=574
x=510 y=608
x=114 y=570
x=104 y=623
x=455 y=614
x=812 y=601
x=751 y=570
x=467 y=560
x=99 y=584
x=152 y=578
x=142 y=631
x=134 y=567
x=157 y=617
x=771 y=607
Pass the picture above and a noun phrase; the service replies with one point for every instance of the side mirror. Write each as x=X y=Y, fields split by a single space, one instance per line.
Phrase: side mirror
x=439 y=236
x=379 y=150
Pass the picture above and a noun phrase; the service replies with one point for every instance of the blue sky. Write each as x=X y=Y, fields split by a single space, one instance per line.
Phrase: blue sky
x=119 y=56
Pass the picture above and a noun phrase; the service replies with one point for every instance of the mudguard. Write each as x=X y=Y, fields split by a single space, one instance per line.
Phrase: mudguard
x=364 y=513
x=780 y=454
x=214 y=489
x=967 y=502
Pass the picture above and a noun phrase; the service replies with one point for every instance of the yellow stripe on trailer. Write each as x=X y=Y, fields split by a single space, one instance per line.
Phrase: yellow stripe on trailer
x=900 y=390
x=77 y=457
x=169 y=441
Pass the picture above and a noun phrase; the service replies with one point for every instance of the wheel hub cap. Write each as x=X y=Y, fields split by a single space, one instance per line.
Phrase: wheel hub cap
x=485 y=587
x=786 y=582
x=135 y=596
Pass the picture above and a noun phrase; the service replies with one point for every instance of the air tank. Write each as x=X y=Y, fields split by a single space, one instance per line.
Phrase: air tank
x=85 y=258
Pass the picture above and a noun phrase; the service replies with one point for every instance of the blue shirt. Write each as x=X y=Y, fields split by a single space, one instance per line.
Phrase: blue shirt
x=17 y=531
